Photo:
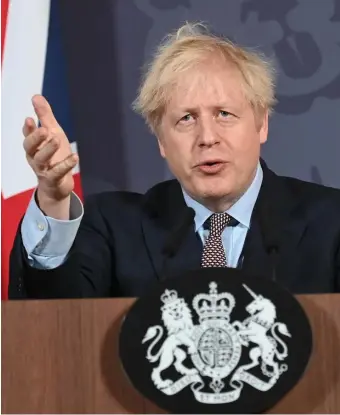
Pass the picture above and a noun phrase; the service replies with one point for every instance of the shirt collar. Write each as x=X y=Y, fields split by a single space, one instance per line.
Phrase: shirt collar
x=241 y=210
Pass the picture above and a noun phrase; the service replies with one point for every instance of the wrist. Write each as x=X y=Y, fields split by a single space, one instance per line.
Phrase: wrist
x=54 y=208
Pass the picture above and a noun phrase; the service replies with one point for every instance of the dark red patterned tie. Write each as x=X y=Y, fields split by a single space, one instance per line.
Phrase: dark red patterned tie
x=213 y=251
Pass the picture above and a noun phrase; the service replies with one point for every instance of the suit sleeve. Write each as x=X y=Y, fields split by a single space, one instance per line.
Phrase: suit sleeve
x=87 y=271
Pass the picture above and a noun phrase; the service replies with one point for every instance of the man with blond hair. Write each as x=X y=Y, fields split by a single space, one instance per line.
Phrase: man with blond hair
x=207 y=101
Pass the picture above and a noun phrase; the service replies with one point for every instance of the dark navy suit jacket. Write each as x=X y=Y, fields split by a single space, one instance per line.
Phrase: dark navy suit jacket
x=118 y=248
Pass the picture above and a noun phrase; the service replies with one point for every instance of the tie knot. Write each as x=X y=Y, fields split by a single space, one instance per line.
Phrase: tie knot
x=218 y=221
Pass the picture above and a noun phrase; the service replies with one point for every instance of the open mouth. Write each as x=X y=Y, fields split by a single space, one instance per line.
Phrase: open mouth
x=211 y=167
x=211 y=163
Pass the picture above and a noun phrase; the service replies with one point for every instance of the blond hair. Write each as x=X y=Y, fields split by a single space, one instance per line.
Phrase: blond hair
x=190 y=45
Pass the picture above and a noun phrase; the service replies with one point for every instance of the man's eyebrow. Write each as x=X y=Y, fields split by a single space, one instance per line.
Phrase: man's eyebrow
x=226 y=105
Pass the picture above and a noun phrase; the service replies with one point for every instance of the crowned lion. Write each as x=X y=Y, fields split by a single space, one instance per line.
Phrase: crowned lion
x=177 y=319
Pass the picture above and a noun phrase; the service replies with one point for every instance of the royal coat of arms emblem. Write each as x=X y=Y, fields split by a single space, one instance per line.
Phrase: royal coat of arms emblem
x=215 y=345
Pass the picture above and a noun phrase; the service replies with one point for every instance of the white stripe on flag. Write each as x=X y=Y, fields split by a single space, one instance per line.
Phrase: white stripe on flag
x=74 y=150
x=22 y=77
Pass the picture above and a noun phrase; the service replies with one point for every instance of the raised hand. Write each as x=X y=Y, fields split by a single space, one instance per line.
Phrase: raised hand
x=49 y=154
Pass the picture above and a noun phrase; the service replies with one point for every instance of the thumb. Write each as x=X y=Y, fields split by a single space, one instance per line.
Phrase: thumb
x=44 y=112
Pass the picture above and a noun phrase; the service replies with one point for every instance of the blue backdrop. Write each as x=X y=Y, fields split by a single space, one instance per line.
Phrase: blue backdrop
x=105 y=43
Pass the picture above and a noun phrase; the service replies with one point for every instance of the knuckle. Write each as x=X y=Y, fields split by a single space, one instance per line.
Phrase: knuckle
x=42 y=132
x=55 y=142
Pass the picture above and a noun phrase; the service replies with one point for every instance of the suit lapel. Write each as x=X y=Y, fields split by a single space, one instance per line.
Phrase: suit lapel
x=255 y=259
x=276 y=203
x=164 y=206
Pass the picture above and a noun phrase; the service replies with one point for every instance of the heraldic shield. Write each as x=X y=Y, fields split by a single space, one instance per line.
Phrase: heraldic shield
x=215 y=341
x=218 y=348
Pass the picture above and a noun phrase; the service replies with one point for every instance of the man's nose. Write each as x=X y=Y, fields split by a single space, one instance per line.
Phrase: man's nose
x=207 y=135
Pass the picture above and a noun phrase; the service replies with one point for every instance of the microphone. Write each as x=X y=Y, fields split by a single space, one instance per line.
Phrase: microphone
x=269 y=230
x=176 y=238
x=273 y=251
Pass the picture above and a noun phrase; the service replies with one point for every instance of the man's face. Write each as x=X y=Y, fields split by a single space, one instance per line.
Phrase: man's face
x=209 y=135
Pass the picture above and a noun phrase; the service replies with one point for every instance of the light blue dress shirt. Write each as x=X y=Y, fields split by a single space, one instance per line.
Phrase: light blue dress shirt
x=47 y=241
x=233 y=237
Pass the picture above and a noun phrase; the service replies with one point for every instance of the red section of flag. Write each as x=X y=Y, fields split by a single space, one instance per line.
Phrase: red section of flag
x=13 y=210
x=4 y=11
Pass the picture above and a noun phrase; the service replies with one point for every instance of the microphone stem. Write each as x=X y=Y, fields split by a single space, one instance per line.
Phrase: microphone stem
x=273 y=254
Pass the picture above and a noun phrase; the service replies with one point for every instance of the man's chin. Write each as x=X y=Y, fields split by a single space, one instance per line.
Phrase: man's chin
x=213 y=192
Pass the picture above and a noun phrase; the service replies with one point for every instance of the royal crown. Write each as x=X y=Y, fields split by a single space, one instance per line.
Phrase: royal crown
x=169 y=296
x=213 y=305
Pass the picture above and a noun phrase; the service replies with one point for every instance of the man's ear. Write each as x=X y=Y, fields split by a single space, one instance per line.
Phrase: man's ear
x=263 y=127
x=160 y=145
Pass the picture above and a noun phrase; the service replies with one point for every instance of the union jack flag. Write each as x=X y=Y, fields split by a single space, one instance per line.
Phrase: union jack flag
x=32 y=63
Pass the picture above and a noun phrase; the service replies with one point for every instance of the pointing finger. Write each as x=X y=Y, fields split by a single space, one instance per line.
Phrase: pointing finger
x=44 y=112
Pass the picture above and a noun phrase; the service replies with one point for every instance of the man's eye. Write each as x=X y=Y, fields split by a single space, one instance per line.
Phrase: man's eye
x=224 y=114
x=186 y=118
